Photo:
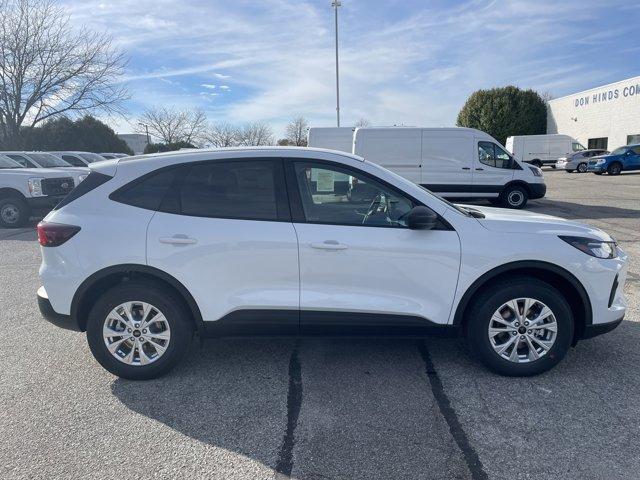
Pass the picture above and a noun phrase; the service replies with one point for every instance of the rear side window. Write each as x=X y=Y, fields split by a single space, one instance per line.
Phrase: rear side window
x=94 y=180
x=146 y=192
x=21 y=160
x=236 y=189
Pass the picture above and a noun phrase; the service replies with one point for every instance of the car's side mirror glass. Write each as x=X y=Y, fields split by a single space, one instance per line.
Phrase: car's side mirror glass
x=421 y=218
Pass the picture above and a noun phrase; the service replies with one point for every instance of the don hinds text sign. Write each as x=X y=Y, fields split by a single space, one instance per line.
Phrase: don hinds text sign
x=607 y=95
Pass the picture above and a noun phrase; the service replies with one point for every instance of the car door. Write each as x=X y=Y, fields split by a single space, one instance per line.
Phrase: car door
x=493 y=168
x=361 y=269
x=447 y=163
x=224 y=231
x=633 y=160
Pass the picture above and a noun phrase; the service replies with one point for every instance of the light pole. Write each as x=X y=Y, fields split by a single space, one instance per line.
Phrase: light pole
x=335 y=4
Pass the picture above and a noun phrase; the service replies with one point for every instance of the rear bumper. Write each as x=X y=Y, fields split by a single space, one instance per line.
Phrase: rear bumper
x=50 y=315
x=537 y=190
x=44 y=204
x=591 y=331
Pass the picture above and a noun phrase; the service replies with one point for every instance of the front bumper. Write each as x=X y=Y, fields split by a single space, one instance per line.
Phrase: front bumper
x=44 y=204
x=597 y=168
x=591 y=331
x=537 y=190
x=49 y=314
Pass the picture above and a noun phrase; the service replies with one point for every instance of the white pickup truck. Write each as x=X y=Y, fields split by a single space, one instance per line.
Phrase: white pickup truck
x=29 y=191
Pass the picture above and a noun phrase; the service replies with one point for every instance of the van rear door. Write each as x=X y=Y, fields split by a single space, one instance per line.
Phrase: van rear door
x=447 y=160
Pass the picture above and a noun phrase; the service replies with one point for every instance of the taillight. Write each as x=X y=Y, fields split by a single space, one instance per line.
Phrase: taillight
x=55 y=234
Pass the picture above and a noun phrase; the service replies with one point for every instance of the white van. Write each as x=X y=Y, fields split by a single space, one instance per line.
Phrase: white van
x=541 y=150
x=333 y=138
x=453 y=162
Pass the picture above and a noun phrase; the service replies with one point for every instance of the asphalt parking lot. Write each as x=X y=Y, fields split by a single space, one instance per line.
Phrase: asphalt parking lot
x=325 y=408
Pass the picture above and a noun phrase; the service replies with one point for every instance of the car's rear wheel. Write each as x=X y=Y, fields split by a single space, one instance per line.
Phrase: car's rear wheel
x=520 y=327
x=514 y=196
x=614 y=169
x=582 y=167
x=139 y=331
x=14 y=212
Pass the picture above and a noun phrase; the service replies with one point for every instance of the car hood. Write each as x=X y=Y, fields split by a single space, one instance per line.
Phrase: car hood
x=37 y=172
x=519 y=221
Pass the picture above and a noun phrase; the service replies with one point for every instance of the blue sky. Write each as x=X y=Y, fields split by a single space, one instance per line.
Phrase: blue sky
x=412 y=62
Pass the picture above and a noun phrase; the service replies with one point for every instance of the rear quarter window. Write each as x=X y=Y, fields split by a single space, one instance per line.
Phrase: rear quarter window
x=148 y=191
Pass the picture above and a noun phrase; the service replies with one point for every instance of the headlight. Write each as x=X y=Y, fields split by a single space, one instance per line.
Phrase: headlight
x=593 y=247
x=35 y=187
x=536 y=171
x=82 y=177
x=600 y=161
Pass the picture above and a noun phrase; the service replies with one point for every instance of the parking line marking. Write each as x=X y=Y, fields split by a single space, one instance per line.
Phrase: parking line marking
x=451 y=417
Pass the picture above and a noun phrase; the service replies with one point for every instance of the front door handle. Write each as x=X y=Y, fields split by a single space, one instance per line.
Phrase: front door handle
x=466 y=168
x=329 y=245
x=178 y=240
x=479 y=168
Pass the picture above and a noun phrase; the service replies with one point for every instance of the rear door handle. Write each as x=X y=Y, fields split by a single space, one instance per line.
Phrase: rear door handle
x=479 y=168
x=178 y=240
x=329 y=245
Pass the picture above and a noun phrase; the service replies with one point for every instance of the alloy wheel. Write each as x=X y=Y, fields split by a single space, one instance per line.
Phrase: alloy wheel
x=582 y=168
x=136 y=333
x=522 y=330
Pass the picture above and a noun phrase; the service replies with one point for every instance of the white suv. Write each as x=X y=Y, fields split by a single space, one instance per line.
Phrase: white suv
x=148 y=250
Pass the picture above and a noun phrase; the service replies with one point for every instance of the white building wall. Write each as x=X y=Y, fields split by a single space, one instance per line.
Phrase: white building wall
x=611 y=111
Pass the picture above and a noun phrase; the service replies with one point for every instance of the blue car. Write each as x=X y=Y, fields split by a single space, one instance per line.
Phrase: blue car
x=621 y=159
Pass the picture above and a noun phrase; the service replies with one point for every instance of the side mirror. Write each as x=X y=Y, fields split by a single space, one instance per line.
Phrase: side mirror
x=421 y=218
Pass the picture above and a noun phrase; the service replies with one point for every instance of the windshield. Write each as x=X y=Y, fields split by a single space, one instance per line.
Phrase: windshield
x=619 y=151
x=452 y=205
x=46 y=160
x=8 y=163
x=91 y=157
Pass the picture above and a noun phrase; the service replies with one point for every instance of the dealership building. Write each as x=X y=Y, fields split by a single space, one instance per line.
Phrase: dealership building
x=603 y=117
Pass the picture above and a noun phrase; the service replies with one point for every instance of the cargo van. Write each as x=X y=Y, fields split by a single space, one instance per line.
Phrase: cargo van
x=333 y=138
x=453 y=162
x=542 y=150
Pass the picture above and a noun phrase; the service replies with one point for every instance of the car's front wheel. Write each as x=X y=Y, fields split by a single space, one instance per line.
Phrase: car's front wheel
x=139 y=331
x=582 y=167
x=614 y=169
x=520 y=327
x=514 y=196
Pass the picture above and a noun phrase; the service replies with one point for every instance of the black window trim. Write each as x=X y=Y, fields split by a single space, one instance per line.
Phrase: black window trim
x=282 y=202
x=295 y=199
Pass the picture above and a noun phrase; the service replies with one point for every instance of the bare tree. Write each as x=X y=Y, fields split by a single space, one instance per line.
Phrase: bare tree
x=255 y=134
x=296 y=132
x=221 y=135
x=546 y=96
x=48 y=68
x=361 y=123
x=171 y=125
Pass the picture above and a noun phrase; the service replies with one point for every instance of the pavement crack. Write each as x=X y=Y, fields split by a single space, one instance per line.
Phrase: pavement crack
x=451 y=417
x=284 y=464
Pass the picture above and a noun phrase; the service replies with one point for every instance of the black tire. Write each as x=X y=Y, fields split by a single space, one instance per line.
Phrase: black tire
x=14 y=212
x=514 y=196
x=483 y=307
x=569 y=171
x=167 y=302
x=598 y=173
x=614 y=169
x=495 y=201
x=582 y=167
x=537 y=163
x=553 y=166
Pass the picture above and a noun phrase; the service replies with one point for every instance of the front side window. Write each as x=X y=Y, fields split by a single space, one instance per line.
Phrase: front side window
x=47 y=160
x=576 y=147
x=336 y=195
x=75 y=161
x=237 y=189
x=494 y=156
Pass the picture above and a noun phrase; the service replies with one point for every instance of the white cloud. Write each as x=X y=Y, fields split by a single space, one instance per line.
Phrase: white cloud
x=416 y=66
x=210 y=86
